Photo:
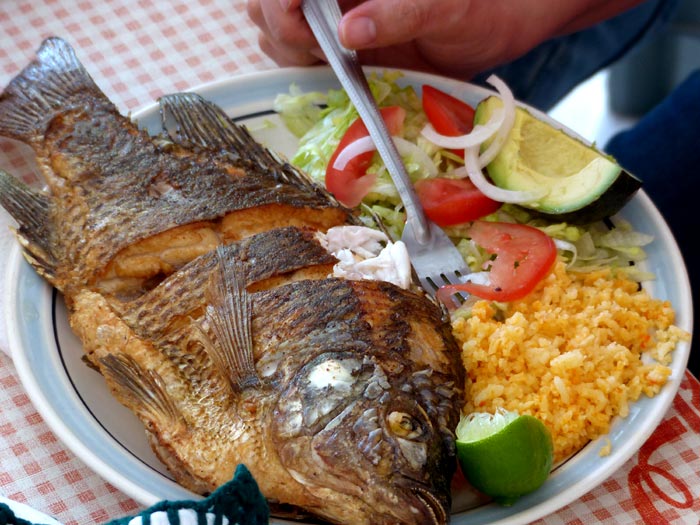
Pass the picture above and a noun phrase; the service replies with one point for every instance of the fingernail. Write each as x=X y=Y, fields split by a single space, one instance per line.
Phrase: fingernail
x=284 y=4
x=358 y=32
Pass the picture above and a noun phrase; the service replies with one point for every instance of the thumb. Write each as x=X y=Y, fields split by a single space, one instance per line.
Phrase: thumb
x=381 y=23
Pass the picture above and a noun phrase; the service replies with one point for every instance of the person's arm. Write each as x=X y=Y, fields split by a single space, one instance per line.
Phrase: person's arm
x=464 y=37
x=597 y=12
x=454 y=37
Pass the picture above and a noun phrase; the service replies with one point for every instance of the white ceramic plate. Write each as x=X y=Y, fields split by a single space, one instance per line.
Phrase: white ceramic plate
x=28 y=513
x=76 y=405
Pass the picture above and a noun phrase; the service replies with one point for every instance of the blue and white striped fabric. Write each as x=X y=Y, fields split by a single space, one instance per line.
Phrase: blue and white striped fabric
x=184 y=517
x=237 y=502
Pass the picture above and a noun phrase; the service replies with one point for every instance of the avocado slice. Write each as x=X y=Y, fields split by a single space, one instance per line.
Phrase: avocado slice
x=582 y=184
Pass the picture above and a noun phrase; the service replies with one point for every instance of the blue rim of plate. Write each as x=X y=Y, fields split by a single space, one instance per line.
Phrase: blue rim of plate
x=34 y=330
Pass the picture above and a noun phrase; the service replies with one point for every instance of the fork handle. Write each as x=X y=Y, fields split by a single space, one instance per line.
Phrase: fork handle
x=323 y=17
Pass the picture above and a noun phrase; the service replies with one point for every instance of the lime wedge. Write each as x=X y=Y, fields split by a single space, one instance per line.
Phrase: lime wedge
x=504 y=455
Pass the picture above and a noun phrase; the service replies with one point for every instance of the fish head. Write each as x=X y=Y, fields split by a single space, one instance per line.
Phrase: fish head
x=369 y=438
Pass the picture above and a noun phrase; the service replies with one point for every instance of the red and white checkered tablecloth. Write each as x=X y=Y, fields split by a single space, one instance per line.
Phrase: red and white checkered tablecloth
x=138 y=50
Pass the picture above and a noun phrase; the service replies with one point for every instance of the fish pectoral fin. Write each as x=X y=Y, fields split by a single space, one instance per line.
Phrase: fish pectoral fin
x=31 y=209
x=143 y=391
x=229 y=317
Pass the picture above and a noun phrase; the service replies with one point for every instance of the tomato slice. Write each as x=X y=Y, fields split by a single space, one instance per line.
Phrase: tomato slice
x=453 y=201
x=352 y=183
x=448 y=115
x=524 y=256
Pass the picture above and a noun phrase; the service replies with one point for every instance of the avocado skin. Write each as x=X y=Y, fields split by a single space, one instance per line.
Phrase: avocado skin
x=607 y=205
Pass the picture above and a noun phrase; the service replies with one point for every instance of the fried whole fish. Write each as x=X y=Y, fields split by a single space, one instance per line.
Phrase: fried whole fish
x=196 y=275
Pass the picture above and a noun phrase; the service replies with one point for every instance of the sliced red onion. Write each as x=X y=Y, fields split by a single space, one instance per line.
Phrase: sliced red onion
x=404 y=147
x=476 y=136
x=499 y=124
x=474 y=163
x=352 y=150
x=507 y=124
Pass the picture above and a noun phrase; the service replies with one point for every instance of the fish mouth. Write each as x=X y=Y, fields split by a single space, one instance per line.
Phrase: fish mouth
x=435 y=511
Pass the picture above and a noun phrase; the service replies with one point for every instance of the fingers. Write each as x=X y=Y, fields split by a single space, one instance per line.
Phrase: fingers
x=382 y=23
x=284 y=56
x=284 y=34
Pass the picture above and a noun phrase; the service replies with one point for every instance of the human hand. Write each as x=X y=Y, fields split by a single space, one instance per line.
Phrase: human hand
x=457 y=38
x=428 y=36
x=284 y=34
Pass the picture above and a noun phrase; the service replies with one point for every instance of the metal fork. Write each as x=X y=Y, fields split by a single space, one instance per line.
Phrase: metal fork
x=434 y=256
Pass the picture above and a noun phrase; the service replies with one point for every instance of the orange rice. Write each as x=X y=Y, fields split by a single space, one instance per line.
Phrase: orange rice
x=570 y=353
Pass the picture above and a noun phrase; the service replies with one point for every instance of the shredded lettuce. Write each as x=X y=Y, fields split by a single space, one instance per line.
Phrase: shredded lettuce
x=299 y=111
x=321 y=119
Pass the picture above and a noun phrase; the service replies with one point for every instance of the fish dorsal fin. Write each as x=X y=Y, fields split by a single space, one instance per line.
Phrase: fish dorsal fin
x=144 y=390
x=31 y=209
x=195 y=123
x=229 y=316
x=54 y=82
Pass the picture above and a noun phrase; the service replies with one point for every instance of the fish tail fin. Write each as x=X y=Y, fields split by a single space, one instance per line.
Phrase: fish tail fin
x=142 y=390
x=51 y=83
x=195 y=123
x=31 y=209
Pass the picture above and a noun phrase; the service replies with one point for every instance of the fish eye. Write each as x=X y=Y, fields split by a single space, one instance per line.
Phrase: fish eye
x=404 y=425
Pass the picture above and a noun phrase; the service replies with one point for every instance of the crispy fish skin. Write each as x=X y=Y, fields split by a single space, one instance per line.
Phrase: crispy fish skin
x=104 y=172
x=331 y=406
x=195 y=278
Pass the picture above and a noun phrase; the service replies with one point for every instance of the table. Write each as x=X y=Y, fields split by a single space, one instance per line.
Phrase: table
x=136 y=51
